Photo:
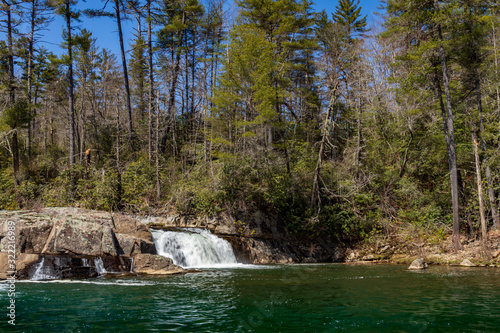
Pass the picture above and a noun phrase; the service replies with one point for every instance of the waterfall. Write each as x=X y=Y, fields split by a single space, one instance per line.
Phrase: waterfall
x=194 y=248
x=42 y=272
x=85 y=262
x=99 y=266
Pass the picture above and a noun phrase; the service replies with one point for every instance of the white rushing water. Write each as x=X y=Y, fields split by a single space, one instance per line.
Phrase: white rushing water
x=42 y=272
x=194 y=248
x=99 y=266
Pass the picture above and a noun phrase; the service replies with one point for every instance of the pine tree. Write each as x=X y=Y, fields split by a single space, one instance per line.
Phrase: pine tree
x=348 y=15
x=348 y=18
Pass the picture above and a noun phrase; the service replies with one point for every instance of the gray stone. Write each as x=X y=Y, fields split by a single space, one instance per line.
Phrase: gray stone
x=418 y=264
x=368 y=257
x=467 y=263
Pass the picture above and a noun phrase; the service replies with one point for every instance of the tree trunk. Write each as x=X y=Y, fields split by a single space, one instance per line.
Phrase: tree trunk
x=30 y=70
x=71 y=87
x=125 y=76
x=497 y=89
x=315 y=194
x=151 y=83
x=118 y=166
x=157 y=153
x=359 y=139
x=451 y=145
x=489 y=179
x=479 y=186
x=171 y=99
x=12 y=93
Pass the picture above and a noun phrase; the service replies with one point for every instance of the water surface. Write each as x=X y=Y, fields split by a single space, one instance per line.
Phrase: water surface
x=297 y=298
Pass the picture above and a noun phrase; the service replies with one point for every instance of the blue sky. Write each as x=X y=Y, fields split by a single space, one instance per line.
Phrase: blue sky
x=104 y=29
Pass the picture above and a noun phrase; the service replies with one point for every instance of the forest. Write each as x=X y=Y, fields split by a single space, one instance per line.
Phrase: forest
x=331 y=124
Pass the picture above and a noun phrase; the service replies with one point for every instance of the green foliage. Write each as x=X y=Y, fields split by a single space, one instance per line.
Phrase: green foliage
x=343 y=223
x=7 y=194
x=100 y=189
x=59 y=191
x=138 y=184
x=348 y=15
x=17 y=115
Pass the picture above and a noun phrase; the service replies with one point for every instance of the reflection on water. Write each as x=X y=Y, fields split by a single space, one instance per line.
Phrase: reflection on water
x=296 y=298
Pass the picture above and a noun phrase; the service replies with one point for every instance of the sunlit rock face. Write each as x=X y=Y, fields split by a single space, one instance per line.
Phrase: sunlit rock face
x=72 y=243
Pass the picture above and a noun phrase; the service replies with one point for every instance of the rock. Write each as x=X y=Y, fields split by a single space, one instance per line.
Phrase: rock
x=145 y=263
x=32 y=239
x=384 y=249
x=309 y=260
x=467 y=263
x=352 y=256
x=369 y=257
x=263 y=251
x=77 y=237
x=418 y=264
x=127 y=225
x=495 y=254
x=129 y=245
x=62 y=233
x=23 y=262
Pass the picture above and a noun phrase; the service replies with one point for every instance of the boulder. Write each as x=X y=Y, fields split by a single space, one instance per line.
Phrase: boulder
x=127 y=225
x=153 y=264
x=467 y=263
x=61 y=233
x=418 y=264
x=309 y=260
x=23 y=262
x=368 y=257
x=77 y=237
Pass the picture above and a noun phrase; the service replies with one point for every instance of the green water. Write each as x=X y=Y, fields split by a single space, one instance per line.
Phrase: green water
x=310 y=298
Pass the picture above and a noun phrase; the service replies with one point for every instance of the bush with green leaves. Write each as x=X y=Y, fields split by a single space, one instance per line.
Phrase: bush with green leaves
x=7 y=194
x=138 y=185
x=99 y=190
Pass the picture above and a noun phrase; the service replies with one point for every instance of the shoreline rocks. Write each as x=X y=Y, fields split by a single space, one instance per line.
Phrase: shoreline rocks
x=66 y=237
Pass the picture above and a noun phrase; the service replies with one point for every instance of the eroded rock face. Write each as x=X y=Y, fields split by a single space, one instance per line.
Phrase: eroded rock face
x=67 y=233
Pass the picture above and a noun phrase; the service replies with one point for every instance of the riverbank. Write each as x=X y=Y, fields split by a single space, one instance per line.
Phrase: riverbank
x=437 y=250
x=80 y=243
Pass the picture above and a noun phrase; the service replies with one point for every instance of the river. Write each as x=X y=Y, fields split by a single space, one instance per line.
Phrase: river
x=293 y=298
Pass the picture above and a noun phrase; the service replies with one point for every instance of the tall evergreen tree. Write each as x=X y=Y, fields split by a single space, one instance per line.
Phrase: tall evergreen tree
x=348 y=15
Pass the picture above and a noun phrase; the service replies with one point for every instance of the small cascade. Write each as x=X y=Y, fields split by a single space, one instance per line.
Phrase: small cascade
x=131 y=265
x=85 y=262
x=99 y=266
x=194 y=248
x=42 y=272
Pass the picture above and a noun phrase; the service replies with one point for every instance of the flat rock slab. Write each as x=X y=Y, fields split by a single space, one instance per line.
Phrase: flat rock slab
x=153 y=264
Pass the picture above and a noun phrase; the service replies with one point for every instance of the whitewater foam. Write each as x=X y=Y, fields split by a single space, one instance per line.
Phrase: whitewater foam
x=195 y=248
